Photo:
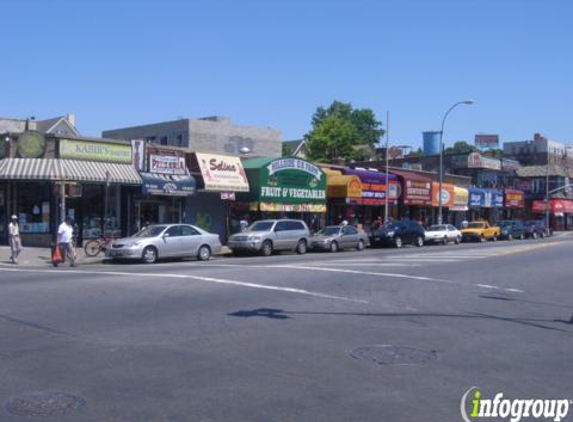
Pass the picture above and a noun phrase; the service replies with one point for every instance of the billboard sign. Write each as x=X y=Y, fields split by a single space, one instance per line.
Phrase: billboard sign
x=486 y=141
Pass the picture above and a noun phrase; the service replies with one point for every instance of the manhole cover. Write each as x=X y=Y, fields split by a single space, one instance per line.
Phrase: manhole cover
x=43 y=404
x=394 y=355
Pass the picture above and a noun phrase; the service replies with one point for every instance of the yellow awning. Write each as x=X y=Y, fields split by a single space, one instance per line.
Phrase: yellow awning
x=461 y=196
x=342 y=186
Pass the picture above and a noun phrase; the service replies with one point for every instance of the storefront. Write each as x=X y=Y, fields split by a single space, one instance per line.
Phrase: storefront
x=94 y=195
x=560 y=212
x=375 y=187
x=459 y=210
x=485 y=204
x=514 y=202
x=448 y=196
x=282 y=187
x=165 y=189
x=415 y=196
x=219 y=179
x=340 y=191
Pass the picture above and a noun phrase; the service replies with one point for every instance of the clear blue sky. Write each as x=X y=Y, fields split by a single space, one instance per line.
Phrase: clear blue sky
x=271 y=63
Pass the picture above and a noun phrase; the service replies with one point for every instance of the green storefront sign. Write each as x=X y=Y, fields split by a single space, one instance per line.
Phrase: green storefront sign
x=285 y=184
x=95 y=151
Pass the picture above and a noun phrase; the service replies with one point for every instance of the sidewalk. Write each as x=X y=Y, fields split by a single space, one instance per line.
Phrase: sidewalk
x=41 y=257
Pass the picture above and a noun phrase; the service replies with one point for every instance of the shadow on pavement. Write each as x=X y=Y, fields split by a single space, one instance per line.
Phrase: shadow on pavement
x=281 y=314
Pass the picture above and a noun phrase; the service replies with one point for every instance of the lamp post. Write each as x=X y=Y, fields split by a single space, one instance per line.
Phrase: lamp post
x=441 y=176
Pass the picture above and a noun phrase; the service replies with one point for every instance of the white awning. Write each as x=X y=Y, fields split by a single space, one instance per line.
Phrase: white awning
x=56 y=169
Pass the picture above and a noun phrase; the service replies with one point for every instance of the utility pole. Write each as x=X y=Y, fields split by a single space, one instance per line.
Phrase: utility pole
x=386 y=201
x=547 y=194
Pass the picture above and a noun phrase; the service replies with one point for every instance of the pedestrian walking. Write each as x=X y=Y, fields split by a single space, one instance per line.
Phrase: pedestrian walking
x=65 y=241
x=244 y=224
x=14 y=237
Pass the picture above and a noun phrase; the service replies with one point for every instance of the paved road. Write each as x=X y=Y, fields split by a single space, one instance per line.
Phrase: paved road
x=379 y=335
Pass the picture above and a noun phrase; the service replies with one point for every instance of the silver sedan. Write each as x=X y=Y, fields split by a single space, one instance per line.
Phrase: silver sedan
x=165 y=241
x=337 y=238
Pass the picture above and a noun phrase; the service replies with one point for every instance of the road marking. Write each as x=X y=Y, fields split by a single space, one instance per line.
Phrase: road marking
x=396 y=275
x=340 y=270
x=373 y=264
x=194 y=277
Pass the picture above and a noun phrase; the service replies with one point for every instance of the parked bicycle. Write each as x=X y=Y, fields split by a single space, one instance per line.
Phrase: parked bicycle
x=94 y=247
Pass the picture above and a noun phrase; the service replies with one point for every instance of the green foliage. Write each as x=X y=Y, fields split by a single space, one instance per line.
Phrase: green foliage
x=460 y=147
x=340 y=131
x=495 y=153
x=287 y=150
x=417 y=153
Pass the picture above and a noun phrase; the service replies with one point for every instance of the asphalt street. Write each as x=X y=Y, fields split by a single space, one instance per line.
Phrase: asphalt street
x=379 y=335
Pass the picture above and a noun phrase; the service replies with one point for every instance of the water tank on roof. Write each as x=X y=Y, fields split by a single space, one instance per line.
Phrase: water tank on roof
x=431 y=142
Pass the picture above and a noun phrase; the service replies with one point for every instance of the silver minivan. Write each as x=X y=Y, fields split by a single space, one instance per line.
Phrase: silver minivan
x=267 y=236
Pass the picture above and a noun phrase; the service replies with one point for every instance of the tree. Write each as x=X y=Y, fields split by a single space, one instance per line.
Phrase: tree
x=287 y=150
x=416 y=154
x=460 y=147
x=340 y=131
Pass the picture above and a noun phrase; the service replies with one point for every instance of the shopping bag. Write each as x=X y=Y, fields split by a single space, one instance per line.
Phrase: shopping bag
x=57 y=255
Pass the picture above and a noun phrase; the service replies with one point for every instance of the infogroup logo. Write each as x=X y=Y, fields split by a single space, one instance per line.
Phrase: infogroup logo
x=512 y=409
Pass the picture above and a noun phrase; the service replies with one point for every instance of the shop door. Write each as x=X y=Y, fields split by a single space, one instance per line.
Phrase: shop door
x=160 y=212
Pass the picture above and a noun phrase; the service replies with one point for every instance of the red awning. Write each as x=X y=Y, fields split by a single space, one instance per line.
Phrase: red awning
x=514 y=198
x=415 y=189
x=563 y=206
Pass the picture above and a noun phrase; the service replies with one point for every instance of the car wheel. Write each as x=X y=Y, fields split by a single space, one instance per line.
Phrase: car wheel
x=267 y=248
x=149 y=255
x=445 y=241
x=494 y=239
x=482 y=238
x=204 y=253
x=301 y=247
x=534 y=235
x=333 y=246
x=542 y=235
x=457 y=240
x=360 y=245
x=398 y=242
x=510 y=237
x=521 y=236
x=419 y=241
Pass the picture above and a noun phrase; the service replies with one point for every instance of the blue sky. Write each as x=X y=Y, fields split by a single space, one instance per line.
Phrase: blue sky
x=271 y=63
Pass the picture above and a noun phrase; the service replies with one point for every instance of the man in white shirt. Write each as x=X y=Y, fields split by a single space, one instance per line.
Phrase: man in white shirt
x=65 y=241
x=15 y=241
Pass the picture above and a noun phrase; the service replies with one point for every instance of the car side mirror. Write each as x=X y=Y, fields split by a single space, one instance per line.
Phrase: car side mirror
x=166 y=235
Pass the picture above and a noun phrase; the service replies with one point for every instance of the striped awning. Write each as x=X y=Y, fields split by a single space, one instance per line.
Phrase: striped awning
x=56 y=169
x=92 y=171
x=30 y=169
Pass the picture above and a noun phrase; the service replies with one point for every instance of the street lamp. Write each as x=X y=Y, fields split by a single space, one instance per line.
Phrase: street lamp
x=441 y=181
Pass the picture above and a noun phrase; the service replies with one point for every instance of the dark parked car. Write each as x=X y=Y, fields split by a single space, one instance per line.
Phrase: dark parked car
x=536 y=228
x=398 y=233
x=511 y=229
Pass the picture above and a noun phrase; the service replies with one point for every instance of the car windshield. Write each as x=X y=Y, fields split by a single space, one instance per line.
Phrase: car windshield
x=150 y=231
x=436 y=228
x=391 y=226
x=476 y=225
x=329 y=231
x=261 y=226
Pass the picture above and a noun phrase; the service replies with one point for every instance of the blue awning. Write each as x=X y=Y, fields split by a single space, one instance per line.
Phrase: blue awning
x=168 y=185
x=486 y=198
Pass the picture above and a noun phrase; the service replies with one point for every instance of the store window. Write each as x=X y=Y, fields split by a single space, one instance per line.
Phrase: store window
x=94 y=209
x=34 y=207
